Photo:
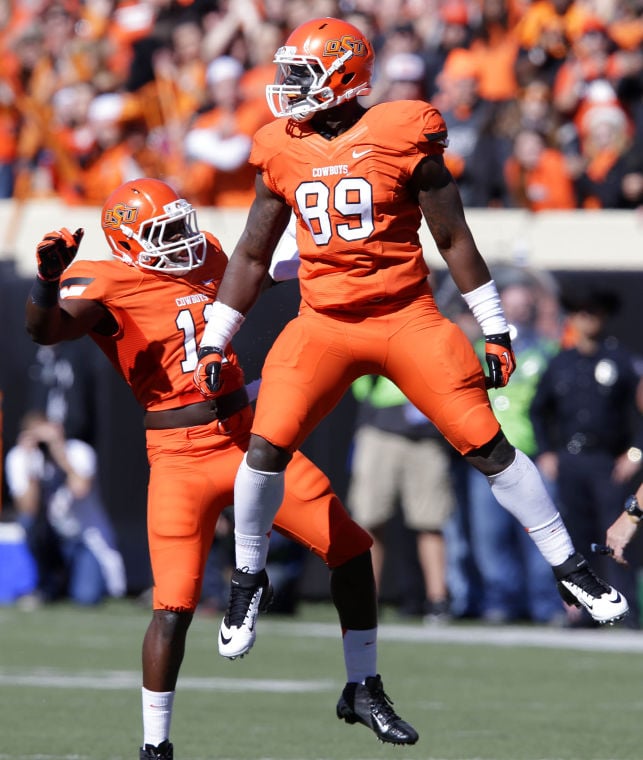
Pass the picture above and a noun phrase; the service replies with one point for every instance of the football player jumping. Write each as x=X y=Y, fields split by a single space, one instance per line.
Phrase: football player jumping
x=145 y=309
x=359 y=182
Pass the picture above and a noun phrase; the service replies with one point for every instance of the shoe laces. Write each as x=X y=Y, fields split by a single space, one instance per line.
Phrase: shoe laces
x=239 y=604
x=590 y=583
x=380 y=700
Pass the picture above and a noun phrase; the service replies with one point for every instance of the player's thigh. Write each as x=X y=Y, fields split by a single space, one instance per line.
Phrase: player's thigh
x=374 y=484
x=306 y=373
x=428 y=498
x=434 y=364
x=190 y=484
x=312 y=514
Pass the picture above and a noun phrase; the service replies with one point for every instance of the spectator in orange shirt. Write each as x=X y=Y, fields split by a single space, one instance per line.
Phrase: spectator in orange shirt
x=533 y=111
x=613 y=174
x=403 y=78
x=545 y=34
x=9 y=125
x=591 y=58
x=121 y=150
x=267 y=38
x=180 y=75
x=400 y=39
x=537 y=176
x=561 y=17
x=495 y=47
x=73 y=138
x=453 y=32
x=218 y=143
x=471 y=155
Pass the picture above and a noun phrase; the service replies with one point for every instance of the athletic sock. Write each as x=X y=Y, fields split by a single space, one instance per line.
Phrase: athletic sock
x=251 y=552
x=157 y=716
x=360 y=654
x=257 y=497
x=520 y=490
x=553 y=540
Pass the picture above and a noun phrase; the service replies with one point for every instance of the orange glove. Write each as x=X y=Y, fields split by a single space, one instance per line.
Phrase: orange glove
x=56 y=251
x=500 y=360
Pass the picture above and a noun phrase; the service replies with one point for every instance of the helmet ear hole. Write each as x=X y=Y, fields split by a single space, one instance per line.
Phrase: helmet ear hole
x=126 y=245
x=347 y=78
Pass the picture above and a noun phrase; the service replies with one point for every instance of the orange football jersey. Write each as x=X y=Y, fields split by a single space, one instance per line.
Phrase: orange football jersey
x=357 y=223
x=160 y=319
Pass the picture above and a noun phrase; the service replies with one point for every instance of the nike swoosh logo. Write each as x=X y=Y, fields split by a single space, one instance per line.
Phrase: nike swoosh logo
x=359 y=154
x=225 y=641
x=617 y=599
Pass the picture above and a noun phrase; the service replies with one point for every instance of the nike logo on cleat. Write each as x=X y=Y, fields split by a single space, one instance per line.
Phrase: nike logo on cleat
x=225 y=641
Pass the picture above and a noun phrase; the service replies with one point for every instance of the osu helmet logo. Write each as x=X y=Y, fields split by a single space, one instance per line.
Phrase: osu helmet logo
x=119 y=214
x=337 y=46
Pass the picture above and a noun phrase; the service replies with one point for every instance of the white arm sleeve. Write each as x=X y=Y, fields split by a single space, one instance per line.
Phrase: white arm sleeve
x=284 y=264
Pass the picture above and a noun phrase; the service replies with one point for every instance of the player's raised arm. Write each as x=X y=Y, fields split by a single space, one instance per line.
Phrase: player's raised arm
x=45 y=319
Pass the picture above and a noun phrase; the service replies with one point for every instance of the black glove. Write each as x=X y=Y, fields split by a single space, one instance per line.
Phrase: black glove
x=207 y=375
x=56 y=251
x=500 y=359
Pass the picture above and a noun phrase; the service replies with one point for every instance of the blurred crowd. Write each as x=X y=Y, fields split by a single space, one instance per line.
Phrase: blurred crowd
x=543 y=98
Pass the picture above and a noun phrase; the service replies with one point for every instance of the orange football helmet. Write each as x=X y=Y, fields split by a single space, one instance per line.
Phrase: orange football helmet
x=148 y=225
x=323 y=63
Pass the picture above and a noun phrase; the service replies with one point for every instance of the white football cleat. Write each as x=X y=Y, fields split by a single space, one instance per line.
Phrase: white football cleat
x=250 y=594
x=578 y=585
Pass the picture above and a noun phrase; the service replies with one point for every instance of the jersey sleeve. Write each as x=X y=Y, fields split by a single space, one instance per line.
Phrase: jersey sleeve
x=260 y=150
x=414 y=126
x=433 y=138
x=95 y=280
x=265 y=149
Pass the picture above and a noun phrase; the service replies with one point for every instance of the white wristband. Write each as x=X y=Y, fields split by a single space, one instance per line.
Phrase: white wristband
x=485 y=306
x=223 y=324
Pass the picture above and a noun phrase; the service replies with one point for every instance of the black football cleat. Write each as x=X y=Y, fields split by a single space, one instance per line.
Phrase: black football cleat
x=164 y=751
x=369 y=704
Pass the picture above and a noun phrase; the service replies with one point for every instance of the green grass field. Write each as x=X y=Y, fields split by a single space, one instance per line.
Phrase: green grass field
x=70 y=690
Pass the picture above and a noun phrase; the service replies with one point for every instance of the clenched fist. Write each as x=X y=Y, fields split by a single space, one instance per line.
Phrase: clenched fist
x=500 y=359
x=56 y=251
x=207 y=375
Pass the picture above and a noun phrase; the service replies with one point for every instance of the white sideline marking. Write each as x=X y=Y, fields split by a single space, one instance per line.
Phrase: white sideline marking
x=121 y=679
x=90 y=757
x=605 y=639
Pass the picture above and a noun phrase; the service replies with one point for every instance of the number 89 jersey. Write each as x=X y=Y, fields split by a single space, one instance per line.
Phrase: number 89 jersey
x=357 y=223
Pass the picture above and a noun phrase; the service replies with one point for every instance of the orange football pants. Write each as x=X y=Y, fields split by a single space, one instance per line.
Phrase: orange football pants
x=192 y=472
x=317 y=356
